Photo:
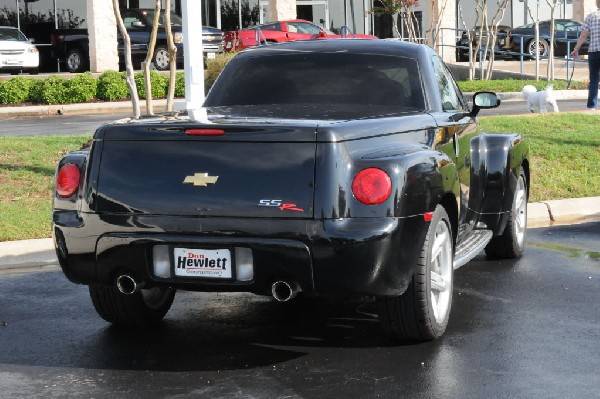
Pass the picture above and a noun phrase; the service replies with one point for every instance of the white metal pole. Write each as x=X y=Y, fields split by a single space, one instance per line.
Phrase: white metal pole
x=193 y=61
x=218 y=14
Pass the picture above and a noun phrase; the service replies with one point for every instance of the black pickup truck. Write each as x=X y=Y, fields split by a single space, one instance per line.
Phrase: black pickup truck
x=323 y=166
x=71 y=46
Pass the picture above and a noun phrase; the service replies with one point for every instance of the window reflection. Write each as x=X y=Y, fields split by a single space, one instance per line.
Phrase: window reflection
x=230 y=14
x=8 y=13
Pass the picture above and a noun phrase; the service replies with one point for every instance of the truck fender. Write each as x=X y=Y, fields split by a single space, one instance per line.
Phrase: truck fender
x=496 y=163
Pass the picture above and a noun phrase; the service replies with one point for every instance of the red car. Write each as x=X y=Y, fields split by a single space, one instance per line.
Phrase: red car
x=280 y=31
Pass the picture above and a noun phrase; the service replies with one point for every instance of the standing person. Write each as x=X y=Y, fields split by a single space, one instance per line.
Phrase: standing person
x=591 y=28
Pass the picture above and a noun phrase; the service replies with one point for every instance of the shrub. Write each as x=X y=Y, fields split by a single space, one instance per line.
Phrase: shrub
x=214 y=68
x=112 y=85
x=81 y=88
x=179 y=84
x=49 y=91
x=158 y=84
x=15 y=90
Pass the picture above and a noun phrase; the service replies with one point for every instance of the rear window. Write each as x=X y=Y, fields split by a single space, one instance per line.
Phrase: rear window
x=389 y=82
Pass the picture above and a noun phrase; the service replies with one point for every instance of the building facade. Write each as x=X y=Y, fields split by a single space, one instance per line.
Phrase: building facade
x=39 y=18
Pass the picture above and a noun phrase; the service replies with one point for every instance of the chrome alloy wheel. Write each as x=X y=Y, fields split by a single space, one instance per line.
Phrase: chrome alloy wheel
x=441 y=271
x=161 y=59
x=520 y=210
x=74 y=61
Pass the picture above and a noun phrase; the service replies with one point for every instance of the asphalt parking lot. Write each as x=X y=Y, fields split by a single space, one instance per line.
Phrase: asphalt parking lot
x=519 y=329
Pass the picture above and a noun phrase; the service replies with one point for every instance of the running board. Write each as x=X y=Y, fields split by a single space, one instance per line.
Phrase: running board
x=471 y=246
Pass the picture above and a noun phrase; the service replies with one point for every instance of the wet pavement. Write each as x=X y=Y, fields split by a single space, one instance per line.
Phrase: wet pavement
x=519 y=329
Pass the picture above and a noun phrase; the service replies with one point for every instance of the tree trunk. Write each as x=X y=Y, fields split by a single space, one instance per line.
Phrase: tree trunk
x=130 y=78
x=148 y=60
x=172 y=57
x=395 y=31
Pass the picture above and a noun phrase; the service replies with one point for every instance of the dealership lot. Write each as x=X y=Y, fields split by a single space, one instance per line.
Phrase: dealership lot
x=525 y=328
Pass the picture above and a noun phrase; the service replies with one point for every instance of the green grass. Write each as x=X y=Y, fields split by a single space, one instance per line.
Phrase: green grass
x=516 y=85
x=565 y=160
x=27 y=166
x=564 y=152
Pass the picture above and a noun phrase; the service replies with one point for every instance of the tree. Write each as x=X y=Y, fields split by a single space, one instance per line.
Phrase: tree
x=172 y=57
x=405 y=8
x=135 y=100
x=536 y=46
x=484 y=33
x=148 y=61
x=436 y=23
x=550 y=70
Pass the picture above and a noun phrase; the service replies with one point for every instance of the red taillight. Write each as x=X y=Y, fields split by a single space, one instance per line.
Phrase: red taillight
x=67 y=180
x=371 y=186
x=204 y=132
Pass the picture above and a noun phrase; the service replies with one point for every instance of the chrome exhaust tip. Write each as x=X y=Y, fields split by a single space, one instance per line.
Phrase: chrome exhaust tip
x=284 y=291
x=127 y=285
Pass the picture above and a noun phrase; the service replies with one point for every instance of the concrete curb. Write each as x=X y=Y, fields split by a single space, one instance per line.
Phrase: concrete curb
x=85 y=108
x=40 y=252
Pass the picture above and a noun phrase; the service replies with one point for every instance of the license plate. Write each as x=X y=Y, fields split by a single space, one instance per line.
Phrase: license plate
x=212 y=55
x=11 y=62
x=205 y=263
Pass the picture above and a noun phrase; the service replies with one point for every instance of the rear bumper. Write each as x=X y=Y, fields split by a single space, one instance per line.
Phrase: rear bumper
x=371 y=256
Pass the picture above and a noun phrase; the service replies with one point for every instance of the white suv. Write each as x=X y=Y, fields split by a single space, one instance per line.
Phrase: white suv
x=16 y=52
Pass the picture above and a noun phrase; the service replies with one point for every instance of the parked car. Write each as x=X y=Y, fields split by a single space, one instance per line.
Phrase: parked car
x=566 y=34
x=17 y=53
x=280 y=31
x=71 y=46
x=364 y=172
x=500 y=48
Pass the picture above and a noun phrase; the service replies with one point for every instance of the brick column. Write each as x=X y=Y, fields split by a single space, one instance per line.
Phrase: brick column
x=102 y=31
x=446 y=10
x=282 y=9
x=581 y=8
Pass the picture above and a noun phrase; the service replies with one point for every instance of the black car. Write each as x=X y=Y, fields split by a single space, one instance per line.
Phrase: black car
x=71 y=46
x=566 y=33
x=319 y=167
x=500 y=47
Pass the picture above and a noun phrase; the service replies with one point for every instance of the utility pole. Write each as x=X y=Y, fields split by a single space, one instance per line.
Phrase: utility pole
x=193 y=57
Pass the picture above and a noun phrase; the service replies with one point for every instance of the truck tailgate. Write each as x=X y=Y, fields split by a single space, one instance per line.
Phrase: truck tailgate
x=234 y=175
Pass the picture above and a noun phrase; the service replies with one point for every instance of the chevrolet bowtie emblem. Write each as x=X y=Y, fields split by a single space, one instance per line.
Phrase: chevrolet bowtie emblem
x=200 y=179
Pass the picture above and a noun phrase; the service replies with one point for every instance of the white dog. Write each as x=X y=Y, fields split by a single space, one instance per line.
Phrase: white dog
x=537 y=100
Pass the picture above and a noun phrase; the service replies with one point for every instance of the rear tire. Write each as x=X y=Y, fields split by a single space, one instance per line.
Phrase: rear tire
x=511 y=243
x=75 y=60
x=422 y=312
x=143 y=308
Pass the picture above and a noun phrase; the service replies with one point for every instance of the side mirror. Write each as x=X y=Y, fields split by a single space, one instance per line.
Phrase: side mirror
x=484 y=100
x=31 y=40
x=481 y=100
x=137 y=24
x=321 y=33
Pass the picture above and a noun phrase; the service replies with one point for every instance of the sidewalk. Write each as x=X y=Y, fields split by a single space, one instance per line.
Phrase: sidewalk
x=36 y=254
